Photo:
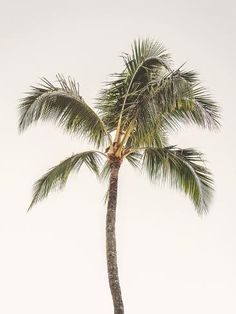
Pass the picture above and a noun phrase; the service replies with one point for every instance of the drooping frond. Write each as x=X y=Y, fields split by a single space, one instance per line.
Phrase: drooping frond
x=183 y=169
x=181 y=99
x=65 y=106
x=174 y=99
x=56 y=177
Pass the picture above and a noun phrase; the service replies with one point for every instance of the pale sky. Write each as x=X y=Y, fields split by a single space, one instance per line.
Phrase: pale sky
x=170 y=260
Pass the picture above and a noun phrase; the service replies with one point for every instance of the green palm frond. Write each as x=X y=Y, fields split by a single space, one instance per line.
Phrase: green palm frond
x=148 y=133
x=56 y=177
x=134 y=159
x=63 y=105
x=183 y=169
x=174 y=99
x=148 y=59
x=181 y=99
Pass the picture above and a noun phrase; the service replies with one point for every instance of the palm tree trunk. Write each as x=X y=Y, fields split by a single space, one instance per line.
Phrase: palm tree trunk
x=111 y=240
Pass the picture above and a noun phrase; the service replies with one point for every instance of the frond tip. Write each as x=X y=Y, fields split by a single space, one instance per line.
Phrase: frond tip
x=183 y=169
x=56 y=177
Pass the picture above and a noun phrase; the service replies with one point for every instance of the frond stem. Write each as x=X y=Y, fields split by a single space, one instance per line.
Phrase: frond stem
x=123 y=105
x=126 y=136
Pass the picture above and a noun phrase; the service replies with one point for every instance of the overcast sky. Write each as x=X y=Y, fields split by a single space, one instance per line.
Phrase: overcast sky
x=170 y=260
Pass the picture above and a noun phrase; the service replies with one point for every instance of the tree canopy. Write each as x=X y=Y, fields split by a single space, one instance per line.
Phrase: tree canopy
x=131 y=120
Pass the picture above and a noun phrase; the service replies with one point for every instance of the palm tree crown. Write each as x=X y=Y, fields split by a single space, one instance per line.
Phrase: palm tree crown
x=133 y=115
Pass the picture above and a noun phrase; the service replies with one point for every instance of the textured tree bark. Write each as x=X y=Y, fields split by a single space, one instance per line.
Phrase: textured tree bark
x=111 y=240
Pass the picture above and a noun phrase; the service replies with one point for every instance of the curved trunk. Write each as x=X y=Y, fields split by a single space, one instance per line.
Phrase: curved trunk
x=111 y=241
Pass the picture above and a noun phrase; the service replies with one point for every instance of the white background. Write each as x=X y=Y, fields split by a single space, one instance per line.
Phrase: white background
x=52 y=260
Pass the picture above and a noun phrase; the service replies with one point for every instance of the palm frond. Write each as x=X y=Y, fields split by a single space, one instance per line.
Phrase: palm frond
x=148 y=59
x=148 y=133
x=63 y=105
x=175 y=99
x=183 y=169
x=181 y=99
x=135 y=159
x=56 y=177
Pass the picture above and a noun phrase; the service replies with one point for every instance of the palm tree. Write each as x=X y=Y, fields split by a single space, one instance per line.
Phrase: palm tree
x=134 y=113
